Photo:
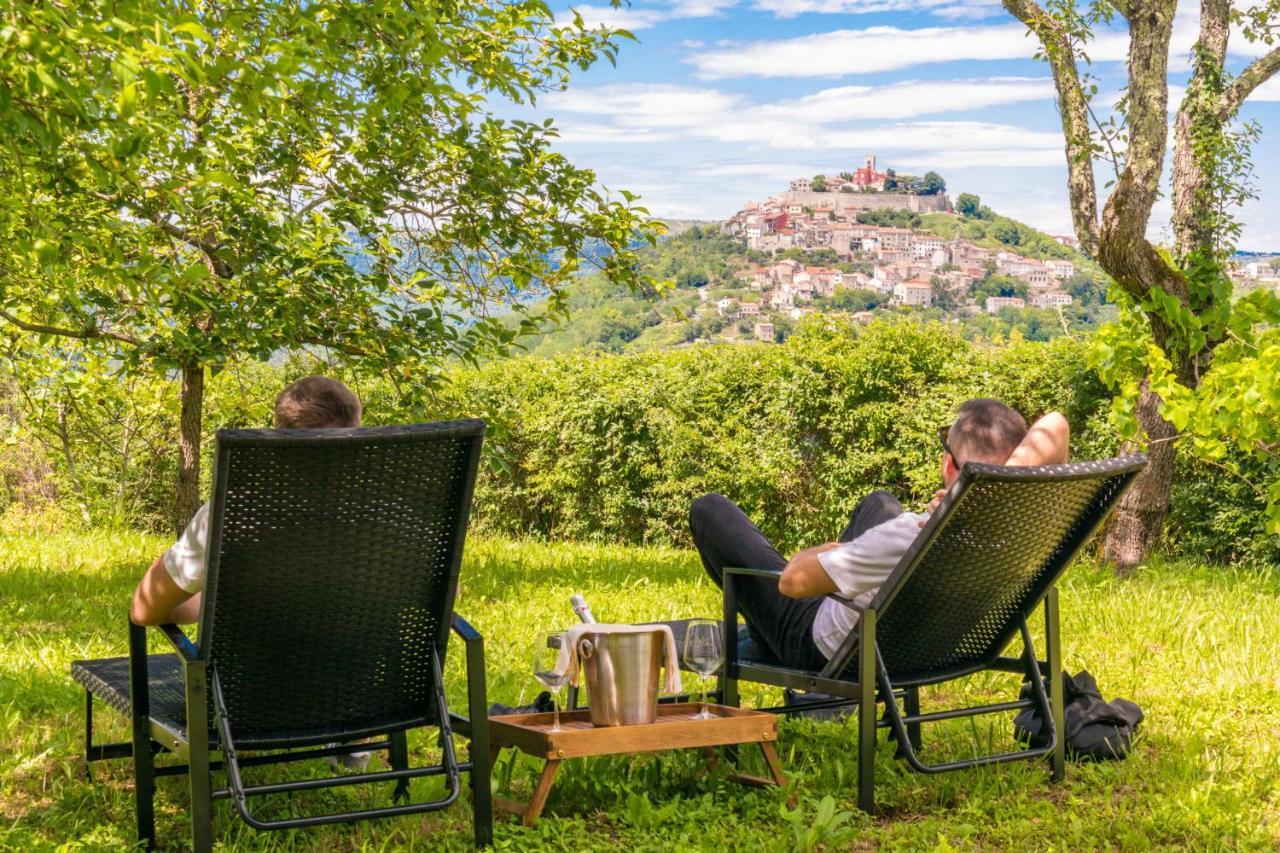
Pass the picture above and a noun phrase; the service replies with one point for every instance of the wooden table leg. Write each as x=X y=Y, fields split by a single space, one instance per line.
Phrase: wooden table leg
x=775 y=766
x=541 y=791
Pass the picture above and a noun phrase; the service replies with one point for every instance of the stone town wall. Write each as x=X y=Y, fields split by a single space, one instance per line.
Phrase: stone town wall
x=868 y=201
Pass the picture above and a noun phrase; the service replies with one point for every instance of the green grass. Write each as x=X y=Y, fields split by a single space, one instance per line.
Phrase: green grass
x=1198 y=648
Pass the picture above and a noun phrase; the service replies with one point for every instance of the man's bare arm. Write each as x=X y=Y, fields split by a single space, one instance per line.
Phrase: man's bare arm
x=158 y=600
x=804 y=576
x=1046 y=443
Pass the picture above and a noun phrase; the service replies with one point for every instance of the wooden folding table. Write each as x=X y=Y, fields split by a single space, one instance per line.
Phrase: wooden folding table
x=674 y=728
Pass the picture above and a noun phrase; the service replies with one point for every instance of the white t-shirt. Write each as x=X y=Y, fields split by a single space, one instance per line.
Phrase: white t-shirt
x=185 y=559
x=857 y=569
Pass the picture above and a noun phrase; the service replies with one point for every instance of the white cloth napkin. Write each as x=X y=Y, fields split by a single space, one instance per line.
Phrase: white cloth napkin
x=568 y=661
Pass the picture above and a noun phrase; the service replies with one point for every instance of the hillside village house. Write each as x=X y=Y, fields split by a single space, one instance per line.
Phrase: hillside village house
x=916 y=293
x=1051 y=299
x=764 y=331
x=1060 y=269
x=748 y=309
x=995 y=303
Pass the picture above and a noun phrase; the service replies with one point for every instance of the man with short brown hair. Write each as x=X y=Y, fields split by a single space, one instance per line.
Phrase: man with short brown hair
x=170 y=590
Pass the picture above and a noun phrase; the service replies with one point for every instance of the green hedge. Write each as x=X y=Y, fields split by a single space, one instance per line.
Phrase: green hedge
x=617 y=447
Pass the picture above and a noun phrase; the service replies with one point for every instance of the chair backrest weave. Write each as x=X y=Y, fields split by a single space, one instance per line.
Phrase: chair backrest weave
x=333 y=566
x=986 y=557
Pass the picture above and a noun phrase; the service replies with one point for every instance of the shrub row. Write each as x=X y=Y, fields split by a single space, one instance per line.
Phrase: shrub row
x=616 y=447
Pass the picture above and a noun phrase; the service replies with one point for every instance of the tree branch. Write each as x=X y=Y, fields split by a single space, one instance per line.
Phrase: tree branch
x=1128 y=210
x=89 y=332
x=1254 y=75
x=1074 y=109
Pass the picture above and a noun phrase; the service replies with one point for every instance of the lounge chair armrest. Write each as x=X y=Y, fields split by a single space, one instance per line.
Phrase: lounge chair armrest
x=463 y=629
x=755 y=573
x=181 y=644
x=851 y=603
x=475 y=725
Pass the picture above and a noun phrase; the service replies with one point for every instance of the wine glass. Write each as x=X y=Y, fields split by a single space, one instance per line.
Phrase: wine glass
x=546 y=658
x=703 y=653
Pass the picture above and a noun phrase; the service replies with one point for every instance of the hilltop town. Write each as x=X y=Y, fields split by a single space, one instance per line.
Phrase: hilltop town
x=909 y=266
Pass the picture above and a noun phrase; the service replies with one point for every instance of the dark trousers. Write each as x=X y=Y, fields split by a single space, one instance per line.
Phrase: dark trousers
x=778 y=624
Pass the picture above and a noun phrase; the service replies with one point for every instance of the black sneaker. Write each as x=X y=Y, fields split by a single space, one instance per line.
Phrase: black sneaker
x=541 y=705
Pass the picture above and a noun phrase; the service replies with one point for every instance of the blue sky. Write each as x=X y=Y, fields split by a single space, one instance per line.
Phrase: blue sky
x=721 y=101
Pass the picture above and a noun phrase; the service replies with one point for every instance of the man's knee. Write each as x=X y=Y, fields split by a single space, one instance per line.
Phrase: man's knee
x=876 y=508
x=705 y=509
x=883 y=501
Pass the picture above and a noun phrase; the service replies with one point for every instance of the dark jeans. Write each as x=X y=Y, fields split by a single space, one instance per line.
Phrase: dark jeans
x=778 y=624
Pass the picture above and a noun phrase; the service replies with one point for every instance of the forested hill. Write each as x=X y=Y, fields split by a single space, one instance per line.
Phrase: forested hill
x=709 y=267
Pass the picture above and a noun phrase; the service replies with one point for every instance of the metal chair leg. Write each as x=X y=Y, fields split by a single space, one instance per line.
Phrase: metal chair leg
x=1053 y=654
x=480 y=751
x=198 y=761
x=867 y=711
x=88 y=735
x=911 y=702
x=144 y=772
x=398 y=756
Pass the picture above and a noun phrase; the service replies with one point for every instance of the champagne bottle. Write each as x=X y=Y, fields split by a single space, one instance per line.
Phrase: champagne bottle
x=580 y=607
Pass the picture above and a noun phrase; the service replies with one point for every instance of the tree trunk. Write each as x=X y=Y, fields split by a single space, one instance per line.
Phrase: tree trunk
x=188 y=497
x=64 y=437
x=1135 y=531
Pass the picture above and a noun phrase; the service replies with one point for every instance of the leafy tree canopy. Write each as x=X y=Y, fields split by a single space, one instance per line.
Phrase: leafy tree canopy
x=182 y=185
x=968 y=205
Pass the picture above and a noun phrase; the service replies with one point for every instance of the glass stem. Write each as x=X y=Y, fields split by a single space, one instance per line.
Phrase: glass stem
x=555 y=709
x=704 y=697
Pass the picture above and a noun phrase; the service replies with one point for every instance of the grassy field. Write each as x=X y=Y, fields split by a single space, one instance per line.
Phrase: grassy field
x=1198 y=648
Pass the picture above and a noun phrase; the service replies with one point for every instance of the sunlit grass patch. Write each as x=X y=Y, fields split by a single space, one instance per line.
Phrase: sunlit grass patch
x=1198 y=647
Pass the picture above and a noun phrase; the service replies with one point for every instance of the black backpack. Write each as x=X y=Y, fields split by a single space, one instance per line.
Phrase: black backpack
x=1095 y=729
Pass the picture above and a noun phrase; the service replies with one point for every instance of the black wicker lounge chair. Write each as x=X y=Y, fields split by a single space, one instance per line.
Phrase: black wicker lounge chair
x=332 y=570
x=985 y=560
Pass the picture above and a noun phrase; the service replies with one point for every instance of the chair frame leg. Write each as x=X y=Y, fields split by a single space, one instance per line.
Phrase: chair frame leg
x=198 y=778
x=398 y=758
x=867 y=711
x=144 y=771
x=88 y=735
x=480 y=750
x=911 y=704
x=1053 y=656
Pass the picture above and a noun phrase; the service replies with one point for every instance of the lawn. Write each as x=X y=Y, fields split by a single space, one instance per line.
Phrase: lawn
x=1197 y=647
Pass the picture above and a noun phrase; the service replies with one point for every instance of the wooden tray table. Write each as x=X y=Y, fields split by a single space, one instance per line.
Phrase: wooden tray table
x=674 y=728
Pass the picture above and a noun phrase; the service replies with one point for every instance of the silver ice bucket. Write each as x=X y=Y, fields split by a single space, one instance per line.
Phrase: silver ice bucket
x=622 y=675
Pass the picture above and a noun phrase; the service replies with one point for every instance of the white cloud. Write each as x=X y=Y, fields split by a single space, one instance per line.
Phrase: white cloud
x=830 y=121
x=647 y=105
x=710 y=112
x=643 y=16
x=864 y=51
x=763 y=171
x=943 y=8
x=911 y=98
x=586 y=133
